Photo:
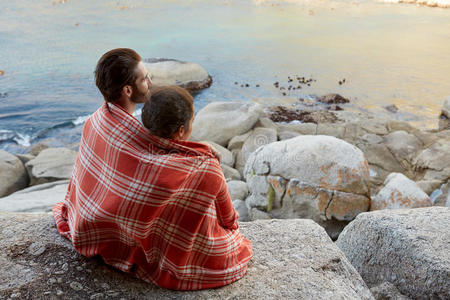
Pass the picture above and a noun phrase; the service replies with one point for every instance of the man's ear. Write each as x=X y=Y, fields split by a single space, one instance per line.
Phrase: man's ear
x=127 y=91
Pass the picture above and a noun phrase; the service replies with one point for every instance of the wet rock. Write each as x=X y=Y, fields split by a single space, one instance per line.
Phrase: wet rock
x=292 y=259
x=317 y=177
x=51 y=164
x=392 y=108
x=188 y=75
x=38 y=198
x=399 y=192
x=407 y=247
x=220 y=121
x=283 y=114
x=13 y=175
x=332 y=99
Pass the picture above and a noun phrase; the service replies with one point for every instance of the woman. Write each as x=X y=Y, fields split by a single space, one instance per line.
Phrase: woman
x=167 y=217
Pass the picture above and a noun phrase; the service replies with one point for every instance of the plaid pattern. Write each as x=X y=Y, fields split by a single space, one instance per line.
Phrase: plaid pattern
x=157 y=208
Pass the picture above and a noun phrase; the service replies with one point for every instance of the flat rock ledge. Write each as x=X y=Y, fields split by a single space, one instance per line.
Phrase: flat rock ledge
x=407 y=248
x=293 y=259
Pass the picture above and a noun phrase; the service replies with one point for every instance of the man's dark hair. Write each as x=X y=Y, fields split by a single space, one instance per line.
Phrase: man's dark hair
x=168 y=108
x=115 y=69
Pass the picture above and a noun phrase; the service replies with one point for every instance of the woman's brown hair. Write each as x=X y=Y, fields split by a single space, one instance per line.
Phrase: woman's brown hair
x=168 y=108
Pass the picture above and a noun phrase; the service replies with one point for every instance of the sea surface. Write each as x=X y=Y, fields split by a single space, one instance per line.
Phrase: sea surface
x=387 y=53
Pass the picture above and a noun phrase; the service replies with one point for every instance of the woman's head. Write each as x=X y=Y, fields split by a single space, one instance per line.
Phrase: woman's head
x=169 y=113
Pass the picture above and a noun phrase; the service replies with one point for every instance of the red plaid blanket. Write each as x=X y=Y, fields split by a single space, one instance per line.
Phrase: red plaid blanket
x=157 y=208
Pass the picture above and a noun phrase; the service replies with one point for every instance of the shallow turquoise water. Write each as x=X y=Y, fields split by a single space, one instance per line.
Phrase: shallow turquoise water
x=387 y=53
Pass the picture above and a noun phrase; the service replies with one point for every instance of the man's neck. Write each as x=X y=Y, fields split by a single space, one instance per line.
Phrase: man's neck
x=127 y=105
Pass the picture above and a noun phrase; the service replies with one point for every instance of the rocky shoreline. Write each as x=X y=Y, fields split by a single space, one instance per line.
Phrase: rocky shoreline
x=332 y=166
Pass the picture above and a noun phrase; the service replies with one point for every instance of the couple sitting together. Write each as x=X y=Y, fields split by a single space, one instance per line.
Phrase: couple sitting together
x=145 y=199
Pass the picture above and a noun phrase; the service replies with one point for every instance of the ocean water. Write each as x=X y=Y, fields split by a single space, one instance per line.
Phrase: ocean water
x=388 y=54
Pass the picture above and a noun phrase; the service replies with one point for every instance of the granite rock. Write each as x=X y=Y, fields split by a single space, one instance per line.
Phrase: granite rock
x=406 y=247
x=220 y=121
x=188 y=75
x=13 y=175
x=399 y=192
x=292 y=259
x=51 y=164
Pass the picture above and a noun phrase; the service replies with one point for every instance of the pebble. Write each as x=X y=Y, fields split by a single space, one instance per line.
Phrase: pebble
x=112 y=293
x=47 y=293
x=59 y=293
x=59 y=280
x=51 y=280
x=105 y=285
x=2 y=72
x=15 y=295
x=36 y=249
x=96 y=296
x=76 y=286
x=79 y=268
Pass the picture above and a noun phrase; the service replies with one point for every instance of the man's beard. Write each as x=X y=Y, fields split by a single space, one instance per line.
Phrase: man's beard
x=139 y=97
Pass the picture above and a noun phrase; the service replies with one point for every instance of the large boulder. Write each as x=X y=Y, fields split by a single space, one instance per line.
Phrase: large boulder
x=220 y=121
x=258 y=137
x=188 y=75
x=51 y=164
x=317 y=177
x=406 y=247
x=13 y=175
x=399 y=192
x=37 y=198
x=292 y=259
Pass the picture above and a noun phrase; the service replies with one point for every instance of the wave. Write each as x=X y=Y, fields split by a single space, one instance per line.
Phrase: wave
x=80 y=120
x=17 y=137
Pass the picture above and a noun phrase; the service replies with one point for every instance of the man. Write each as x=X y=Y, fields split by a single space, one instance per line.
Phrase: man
x=122 y=78
x=154 y=207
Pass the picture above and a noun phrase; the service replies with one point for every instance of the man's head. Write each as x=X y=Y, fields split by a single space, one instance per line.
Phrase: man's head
x=169 y=113
x=120 y=74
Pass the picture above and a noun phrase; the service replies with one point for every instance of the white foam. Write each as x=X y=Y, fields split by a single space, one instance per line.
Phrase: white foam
x=6 y=134
x=22 y=139
x=80 y=120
